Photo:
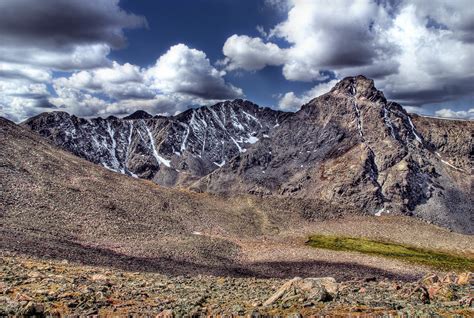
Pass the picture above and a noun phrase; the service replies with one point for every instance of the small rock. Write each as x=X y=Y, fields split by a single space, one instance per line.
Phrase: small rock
x=450 y=278
x=34 y=274
x=467 y=301
x=465 y=279
x=32 y=309
x=168 y=313
x=23 y=297
x=98 y=277
x=430 y=279
x=442 y=292
x=315 y=289
x=424 y=295
x=238 y=309
x=450 y=303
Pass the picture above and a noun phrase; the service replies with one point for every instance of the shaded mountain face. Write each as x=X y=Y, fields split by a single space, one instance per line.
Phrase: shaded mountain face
x=168 y=150
x=349 y=148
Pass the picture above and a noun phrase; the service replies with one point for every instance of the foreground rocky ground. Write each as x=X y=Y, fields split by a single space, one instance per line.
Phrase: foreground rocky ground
x=37 y=287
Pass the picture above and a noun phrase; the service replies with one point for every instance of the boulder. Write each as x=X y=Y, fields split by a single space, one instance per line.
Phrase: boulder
x=430 y=279
x=465 y=279
x=309 y=289
x=449 y=278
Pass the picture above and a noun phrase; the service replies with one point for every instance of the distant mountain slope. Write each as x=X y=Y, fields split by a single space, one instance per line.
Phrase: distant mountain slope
x=168 y=150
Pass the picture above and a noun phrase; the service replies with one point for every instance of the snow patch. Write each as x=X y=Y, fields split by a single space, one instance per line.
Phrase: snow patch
x=447 y=163
x=388 y=122
x=382 y=210
x=113 y=152
x=253 y=117
x=185 y=138
x=251 y=140
x=359 y=122
x=219 y=164
x=107 y=167
x=158 y=158
x=413 y=130
x=237 y=144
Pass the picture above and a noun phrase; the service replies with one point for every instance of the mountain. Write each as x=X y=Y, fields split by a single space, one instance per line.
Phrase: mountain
x=139 y=114
x=168 y=150
x=55 y=205
x=350 y=148
x=450 y=139
x=354 y=148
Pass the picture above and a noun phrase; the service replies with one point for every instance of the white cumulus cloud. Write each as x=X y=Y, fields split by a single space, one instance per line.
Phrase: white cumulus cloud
x=188 y=71
x=419 y=52
x=292 y=102
x=251 y=54
x=462 y=114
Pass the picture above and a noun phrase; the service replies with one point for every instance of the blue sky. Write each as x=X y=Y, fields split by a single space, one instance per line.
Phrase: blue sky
x=205 y=25
x=104 y=57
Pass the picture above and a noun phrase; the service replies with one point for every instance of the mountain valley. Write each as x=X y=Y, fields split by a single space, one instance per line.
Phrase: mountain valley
x=199 y=210
x=349 y=148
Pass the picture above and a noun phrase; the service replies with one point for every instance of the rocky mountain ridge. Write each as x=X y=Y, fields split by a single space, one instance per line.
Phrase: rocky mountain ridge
x=350 y=147
x=354 y=148
x=168 y=150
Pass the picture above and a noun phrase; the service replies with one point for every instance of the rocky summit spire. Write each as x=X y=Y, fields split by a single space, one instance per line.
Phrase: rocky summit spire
x=139 y=114
x=360 y=87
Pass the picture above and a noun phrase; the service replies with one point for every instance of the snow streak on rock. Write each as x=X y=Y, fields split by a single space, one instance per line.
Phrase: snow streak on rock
x=158 y=158
x=413 y=130
x=195 y=142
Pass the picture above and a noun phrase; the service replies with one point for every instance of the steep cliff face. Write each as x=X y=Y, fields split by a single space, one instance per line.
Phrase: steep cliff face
x=452 y=140
x=168 y=150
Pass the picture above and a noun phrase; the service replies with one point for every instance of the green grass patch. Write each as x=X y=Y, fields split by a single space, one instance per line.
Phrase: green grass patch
x=433 y=258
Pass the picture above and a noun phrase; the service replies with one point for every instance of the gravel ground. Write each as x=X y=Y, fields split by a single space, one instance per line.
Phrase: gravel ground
x=30 y=286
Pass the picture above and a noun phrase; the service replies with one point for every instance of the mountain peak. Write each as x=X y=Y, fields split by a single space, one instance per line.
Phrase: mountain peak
x=139 y=114
x=358 y=86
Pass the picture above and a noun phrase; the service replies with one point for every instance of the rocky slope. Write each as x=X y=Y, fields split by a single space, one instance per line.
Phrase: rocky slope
x=34 y=287
x=354 y=148
x=451 y=140
x=349 y=148
x=168 y=150
x=54 y=204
